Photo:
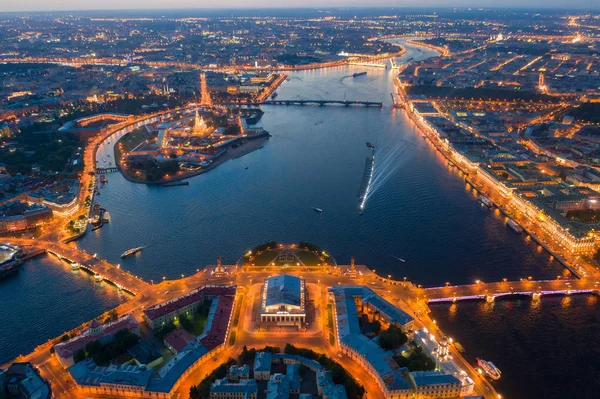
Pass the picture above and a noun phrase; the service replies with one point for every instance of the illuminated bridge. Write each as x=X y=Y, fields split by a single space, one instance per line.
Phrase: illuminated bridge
x=506 y=289
x=346 y=103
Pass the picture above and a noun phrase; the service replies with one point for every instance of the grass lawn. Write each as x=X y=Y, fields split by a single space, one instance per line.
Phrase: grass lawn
x=196 y=325
x=265 y=258
x=308 y=258
x=199 y=321
x=130 y=141
x=236 y=318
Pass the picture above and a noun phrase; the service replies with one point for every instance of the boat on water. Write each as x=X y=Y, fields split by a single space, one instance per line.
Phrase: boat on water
x=489 y=368
x=370 y=145
x=317 y=209
x=98 y=278
x=486 y=201
x=354 y=75
x=75 y=266
x=515 y=226
x=131 y=251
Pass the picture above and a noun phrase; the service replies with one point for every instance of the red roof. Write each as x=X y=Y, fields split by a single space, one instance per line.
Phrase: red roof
x=218 y=328
x=173 y=305
x=178 y=339
x=66 y=349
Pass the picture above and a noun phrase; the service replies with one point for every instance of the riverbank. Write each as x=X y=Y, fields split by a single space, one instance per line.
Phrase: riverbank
x=448 y=152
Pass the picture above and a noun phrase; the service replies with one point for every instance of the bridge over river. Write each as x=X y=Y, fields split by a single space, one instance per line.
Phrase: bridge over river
x=346 y=103
x=506 y=289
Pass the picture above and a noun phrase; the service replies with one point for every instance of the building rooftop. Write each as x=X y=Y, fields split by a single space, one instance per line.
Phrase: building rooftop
x=244 y=386
x=395 y=314
x=179 y=339
x=144 y=352
x=283 y=290
x=87 y=373
x=262 y=361
x=94 y=332
x=278 y=387
x=29 y=380
x=165 y=308
x=428 y=378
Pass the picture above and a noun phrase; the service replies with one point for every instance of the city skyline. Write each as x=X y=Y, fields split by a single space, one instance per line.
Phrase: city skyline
x=402 y=203
x=109 y=5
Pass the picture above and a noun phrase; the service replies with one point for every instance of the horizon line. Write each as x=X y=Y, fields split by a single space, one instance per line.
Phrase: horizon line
x=332 y=7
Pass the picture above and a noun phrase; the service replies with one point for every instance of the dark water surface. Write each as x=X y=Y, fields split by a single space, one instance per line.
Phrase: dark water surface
x=419 y=210
x=549 y=349
x=45 y=299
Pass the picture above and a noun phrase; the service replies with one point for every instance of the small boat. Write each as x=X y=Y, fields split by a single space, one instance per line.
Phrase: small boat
x=75 y=265
x=489 y=368
x=397 y=258
x=370 y=145
x=515 y=226
x=98 y=278
x=317 y=209
x=246 y=168
x=354 y=75
x=486 y=201
x=131 y=251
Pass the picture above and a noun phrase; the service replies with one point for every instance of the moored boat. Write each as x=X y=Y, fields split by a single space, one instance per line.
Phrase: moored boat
x=486 y=201
x=515 y=226
x=317 y=209
x=489 y=368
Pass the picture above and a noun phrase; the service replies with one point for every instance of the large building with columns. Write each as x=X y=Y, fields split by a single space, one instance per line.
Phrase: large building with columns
x=283 y=301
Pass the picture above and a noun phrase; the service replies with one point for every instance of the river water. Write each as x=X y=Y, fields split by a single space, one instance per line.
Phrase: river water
x=45 y=299
x=419 y=210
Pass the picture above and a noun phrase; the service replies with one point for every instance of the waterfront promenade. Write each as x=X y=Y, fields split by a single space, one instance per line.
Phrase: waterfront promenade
x=406 y=295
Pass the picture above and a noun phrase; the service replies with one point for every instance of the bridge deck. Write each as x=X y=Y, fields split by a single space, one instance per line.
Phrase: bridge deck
x=510 y=288
x=346 y=103
x=110 y=272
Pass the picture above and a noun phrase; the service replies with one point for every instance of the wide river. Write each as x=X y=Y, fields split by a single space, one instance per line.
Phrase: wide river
x=419 y=210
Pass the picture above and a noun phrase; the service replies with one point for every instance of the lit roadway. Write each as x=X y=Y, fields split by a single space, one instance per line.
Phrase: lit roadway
x=316 y=337
x=187 y=65
x=406 y=295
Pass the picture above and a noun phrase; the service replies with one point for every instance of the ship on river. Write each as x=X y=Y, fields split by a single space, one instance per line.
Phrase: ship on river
x=131 y=251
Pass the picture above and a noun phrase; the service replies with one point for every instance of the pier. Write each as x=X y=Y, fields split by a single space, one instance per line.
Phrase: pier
x=346 y=103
